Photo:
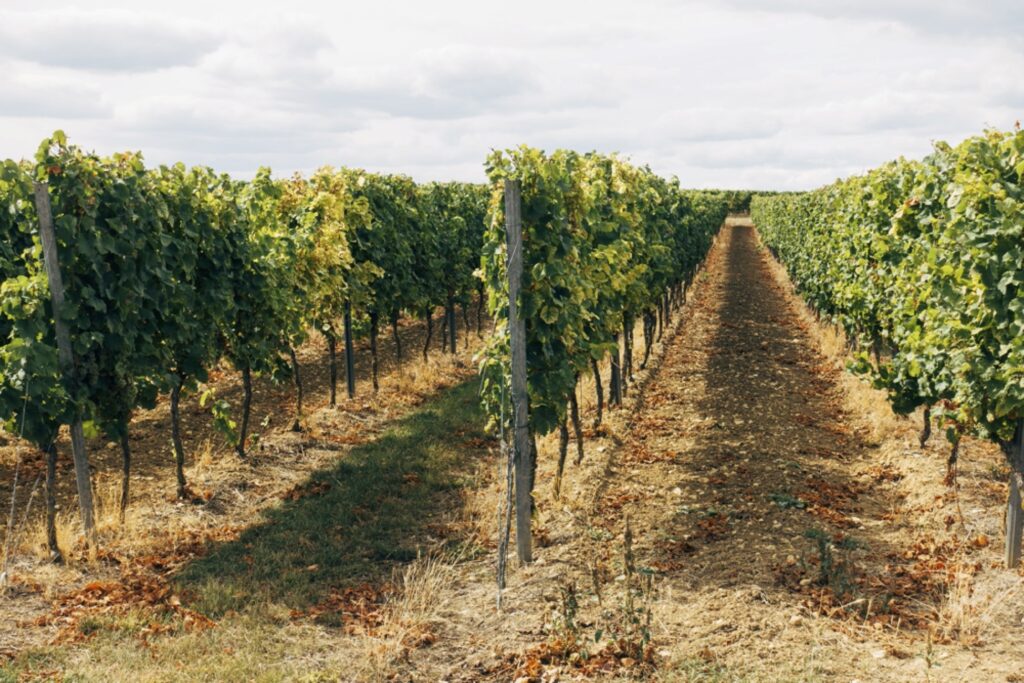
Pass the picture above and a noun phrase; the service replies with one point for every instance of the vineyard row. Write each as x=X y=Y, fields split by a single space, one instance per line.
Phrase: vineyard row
x=167 y=272
x=922 y=264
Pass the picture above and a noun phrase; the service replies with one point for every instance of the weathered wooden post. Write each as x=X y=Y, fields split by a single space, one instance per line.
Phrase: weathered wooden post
x=350 y=364
x=1014 y=516
x=452 y=325
x=615 y=380
x=517 y=338
x=67 y=360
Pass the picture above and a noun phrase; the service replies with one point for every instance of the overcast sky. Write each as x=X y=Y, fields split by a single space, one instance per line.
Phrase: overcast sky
x=782 y=94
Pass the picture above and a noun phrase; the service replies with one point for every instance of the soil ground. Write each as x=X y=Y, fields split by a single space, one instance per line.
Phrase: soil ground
x=752 y=513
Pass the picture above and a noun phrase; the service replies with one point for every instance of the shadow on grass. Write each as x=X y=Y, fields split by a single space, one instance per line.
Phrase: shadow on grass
x=353 y=522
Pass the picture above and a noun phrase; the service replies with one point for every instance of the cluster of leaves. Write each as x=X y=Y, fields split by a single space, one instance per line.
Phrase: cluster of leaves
x=602 y=242
x=922 y=263
x=32 y=400
x=120 y=258
x=453 y=216
x=425 y=241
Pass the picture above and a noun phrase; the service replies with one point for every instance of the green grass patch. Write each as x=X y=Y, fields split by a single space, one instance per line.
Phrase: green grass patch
x=360 y=518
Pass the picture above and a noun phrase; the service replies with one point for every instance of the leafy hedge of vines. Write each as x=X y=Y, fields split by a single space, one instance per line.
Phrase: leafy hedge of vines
x=171 y=270
x=601 y=238
x=922 y=263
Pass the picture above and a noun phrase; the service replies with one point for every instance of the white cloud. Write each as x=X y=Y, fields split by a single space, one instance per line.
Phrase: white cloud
x=37 y=98
x=999 y=18
x=778 y=94
x=102 y=40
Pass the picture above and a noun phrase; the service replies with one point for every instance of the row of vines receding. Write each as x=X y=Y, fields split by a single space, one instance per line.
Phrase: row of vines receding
x=922 y=264
x=605 y=244
x=170 y=272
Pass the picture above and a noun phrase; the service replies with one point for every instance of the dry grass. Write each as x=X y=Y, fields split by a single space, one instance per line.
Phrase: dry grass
x=110 y=528
x=410 y=618
x=712 y=627
x=204 y=459
x=262 y=638
x=423 y=377
x=69 y=531
x=715 y=628
x=482 y=505
x=977 y=608
x=16 y=522
x=241 y=649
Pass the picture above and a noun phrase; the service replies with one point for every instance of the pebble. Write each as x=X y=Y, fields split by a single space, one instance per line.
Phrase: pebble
x=796 y=620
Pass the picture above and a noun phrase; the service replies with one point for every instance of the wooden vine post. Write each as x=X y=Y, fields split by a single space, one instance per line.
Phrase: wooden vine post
x=452 y=325
x=67 y=360
x=517 y=340
x=1014 y=513
x=350 y=363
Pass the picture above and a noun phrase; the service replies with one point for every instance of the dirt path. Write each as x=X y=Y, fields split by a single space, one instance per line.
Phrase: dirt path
x=786 y=541
x=745 y=421
x=782 y=540
x=744 y=437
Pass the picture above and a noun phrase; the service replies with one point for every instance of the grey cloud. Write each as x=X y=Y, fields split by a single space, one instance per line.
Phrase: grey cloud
x=1008 y=91
x=466 y=77
x=57 y=101
x=294 y=39
x=457 y=81
x=300 y=69
x=1003 y=18
x=396 y=100
x=230 y=135
x=590 y=36
x=452 y=84
x=282 y=53
x=102 y=41
x=882 y=112
x=231 y=126
x=709 y=124
x=798 y=151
